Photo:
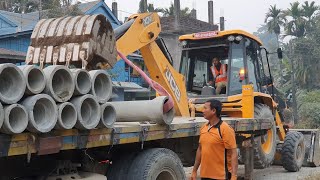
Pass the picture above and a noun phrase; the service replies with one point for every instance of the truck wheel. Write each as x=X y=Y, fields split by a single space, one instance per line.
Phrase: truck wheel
x=157 y=164
x=120 y=167
x=293 y=151
x=264 y=147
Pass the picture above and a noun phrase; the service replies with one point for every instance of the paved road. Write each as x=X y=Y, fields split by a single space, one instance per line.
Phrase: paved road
x=278 y=173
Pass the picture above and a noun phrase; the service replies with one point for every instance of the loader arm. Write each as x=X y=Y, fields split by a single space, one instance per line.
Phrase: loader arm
x=140 y=33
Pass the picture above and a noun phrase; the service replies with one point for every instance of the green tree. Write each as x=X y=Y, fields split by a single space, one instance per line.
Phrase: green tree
x=170 y=11
x=296 y=22
x=309 y=12
x=145 y=7
x=274 y=19
x=20 y=6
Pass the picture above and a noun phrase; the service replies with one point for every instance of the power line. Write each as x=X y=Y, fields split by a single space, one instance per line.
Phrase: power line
x=126 y=12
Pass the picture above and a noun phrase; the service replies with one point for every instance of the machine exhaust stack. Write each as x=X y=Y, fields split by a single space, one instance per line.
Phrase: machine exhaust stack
x=35 y=79
x=60 y=84
x=88 y=111
x=42 y=113
x=15 y=119
x=141 y=111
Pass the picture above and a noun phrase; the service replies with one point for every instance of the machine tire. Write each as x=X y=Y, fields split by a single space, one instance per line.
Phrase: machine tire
x=120 y=167
x=293 y=151
x=157 y=163
x=263 y=159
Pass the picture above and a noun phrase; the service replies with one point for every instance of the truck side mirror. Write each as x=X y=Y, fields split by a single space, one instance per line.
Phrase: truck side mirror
x=279 y=52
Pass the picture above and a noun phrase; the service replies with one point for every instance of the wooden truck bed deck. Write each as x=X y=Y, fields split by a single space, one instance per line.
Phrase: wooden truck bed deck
x=122 y=133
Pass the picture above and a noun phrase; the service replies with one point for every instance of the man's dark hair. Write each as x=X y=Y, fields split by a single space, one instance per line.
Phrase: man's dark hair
x=217 y=105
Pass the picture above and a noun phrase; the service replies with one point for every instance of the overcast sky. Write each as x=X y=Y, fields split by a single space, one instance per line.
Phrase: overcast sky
x=239 y=14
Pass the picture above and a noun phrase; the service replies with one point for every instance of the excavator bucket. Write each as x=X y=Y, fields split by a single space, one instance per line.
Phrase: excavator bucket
x=82 y=41
x=312 y=145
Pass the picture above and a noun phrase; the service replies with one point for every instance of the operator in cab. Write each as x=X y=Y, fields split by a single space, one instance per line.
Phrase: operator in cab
x=219 y=74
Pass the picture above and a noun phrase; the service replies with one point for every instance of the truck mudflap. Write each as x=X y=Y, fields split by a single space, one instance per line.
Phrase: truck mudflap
x=312 y=148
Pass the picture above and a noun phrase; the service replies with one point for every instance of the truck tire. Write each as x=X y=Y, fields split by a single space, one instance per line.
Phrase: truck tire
x=157 y=163
x=264 y=147
x=119 y=168
x=293 y=151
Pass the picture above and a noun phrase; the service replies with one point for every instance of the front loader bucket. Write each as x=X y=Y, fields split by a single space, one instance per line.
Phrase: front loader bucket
x=312 y=144
x=80 y=41
x=312 y=148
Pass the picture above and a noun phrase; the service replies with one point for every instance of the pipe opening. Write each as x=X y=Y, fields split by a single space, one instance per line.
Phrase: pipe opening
x=18 y=119
x=108 y=116
x=43 y=113
x=68 y=116
x=11 y=80
x=83 y=82
x=89 y=111
x=36 y=80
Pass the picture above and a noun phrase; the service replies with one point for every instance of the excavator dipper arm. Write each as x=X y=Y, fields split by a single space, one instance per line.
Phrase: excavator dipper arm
x=140 y=33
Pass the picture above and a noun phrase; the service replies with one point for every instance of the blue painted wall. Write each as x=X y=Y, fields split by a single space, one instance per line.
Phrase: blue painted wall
x=17 y=43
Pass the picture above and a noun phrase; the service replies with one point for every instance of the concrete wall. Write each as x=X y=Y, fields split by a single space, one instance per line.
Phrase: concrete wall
x=172 y=43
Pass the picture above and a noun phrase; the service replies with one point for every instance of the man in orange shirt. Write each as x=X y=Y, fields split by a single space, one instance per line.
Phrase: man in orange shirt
x=217 y=151
x=219 y=73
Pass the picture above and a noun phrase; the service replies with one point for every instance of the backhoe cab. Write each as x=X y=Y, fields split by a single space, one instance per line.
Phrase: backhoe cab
x=246 y=61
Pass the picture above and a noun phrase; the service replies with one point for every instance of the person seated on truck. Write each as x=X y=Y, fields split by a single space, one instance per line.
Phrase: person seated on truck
x=217 y=151
x=219 y=73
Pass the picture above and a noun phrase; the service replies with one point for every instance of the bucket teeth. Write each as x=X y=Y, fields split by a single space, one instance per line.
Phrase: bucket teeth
x=79 y=41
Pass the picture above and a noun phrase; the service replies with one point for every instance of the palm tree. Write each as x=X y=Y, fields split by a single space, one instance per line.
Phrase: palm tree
x=309 y=11
x=145 y=7
x=297 y=24
x=170 y=11
x=274 y=19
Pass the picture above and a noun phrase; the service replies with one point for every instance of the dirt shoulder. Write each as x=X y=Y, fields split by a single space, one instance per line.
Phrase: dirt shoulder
x=277 y=173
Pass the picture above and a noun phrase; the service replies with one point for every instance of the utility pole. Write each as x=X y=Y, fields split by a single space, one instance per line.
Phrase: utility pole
x=177 y=14
x=293 y=86
x=40 y=8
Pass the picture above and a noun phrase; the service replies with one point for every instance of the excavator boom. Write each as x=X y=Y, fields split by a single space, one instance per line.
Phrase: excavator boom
x=89 y=42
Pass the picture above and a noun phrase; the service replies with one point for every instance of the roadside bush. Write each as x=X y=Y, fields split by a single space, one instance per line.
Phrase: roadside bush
x=309 y=107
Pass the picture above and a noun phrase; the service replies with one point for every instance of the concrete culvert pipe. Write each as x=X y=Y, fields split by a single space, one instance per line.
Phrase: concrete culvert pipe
x=35 y=79
x=60 y=84
x=108 y=116
x=13 y=84
x=67 y=116
x=1 y=115
x=42 y=113
x=82 y=81
x=140 y=111
x=15 y=119
x=101 y=85
x=88 y=111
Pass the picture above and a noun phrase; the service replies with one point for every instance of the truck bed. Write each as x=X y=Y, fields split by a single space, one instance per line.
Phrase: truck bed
x=122 y=133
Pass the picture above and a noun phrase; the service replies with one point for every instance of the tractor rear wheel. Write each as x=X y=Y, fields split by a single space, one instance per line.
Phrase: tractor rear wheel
x=293 y=151
x=264 y=146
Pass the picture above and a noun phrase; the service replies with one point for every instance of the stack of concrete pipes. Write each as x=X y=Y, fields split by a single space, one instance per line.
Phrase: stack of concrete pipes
x=56 y=97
